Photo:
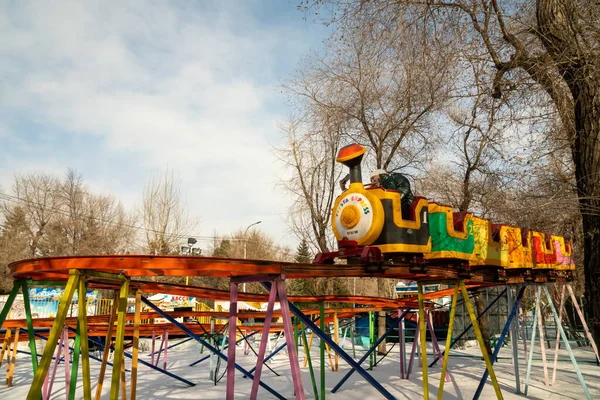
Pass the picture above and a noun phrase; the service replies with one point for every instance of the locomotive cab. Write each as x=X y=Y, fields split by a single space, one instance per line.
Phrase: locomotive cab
x=373 y=216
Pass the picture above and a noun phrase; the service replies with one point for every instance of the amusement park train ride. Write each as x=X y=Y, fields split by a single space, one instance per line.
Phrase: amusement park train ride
x=375 y=239
x=371 y=229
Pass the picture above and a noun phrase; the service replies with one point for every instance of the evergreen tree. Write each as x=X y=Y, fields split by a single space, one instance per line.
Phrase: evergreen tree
x=303 y=253
x=224 y=249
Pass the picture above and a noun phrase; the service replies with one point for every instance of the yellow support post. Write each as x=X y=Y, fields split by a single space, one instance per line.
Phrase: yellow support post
x=423 y=339
x=10 y=367
x=107 y=342
x=119 y=341
x=330 y=358
x=310 y=340
x=123 y=382
x=35 y=391
x=136 y=342
x=484 y=353
x=85 y=352
x=448 y=341
x=5 y=345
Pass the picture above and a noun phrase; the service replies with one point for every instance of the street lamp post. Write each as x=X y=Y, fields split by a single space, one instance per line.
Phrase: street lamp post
x=245 y=243
x=187 y=250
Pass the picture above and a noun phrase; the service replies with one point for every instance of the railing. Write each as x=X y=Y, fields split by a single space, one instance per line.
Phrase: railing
x=46 y=307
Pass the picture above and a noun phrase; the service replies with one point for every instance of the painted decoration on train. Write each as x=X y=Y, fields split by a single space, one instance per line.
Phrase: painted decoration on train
x=354 y=216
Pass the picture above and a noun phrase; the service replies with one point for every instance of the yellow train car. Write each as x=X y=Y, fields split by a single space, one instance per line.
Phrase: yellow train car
x=508 y=247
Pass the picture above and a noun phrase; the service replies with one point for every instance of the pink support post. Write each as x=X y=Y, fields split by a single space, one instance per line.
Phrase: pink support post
x=401 y=342
x=588 y=333
x=233 y=299
x=152 y=351
x=412 y=351
x=263 y=342
x=289 y=338
x=246 y=347
x=434 y=342
x=166 y=349
x=160 y=349
x=67 y=360
x=47 y=389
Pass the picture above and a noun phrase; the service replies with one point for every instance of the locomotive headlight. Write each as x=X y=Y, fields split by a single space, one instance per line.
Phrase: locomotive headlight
x=350 y=216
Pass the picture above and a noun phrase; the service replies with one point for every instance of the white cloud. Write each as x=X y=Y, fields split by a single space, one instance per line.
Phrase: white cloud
x=169 y=84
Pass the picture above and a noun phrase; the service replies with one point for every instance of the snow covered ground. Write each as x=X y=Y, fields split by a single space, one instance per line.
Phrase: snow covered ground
x=465 y=366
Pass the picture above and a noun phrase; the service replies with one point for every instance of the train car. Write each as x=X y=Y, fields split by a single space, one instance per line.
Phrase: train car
x=373 y=216
x=452 y=234
x=563 y=248
x=544 y=254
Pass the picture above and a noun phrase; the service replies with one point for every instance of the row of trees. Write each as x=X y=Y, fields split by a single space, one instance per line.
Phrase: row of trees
x=45 y=215
x=491 y=106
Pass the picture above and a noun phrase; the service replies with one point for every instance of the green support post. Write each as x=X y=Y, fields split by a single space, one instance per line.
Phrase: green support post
x=30 y=331
x=310 y=367
x=296 y=337
x=75 y=363
x=9 y=302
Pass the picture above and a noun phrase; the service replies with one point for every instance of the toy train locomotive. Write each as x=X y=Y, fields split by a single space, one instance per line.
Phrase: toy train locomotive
x=370 y=227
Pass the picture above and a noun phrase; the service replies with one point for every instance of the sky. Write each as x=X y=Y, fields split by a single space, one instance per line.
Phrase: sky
x=121 y=91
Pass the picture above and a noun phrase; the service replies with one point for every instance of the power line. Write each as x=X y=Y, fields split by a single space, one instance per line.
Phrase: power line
x=17 y=199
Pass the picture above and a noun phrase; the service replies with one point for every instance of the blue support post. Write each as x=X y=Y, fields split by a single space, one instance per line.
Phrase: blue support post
x=147 y=364
x=277 y=350
x=500 y=340
x=463 y=333
x=188 y=332
x=334 y=346
x=367 y=354
x=173 y=345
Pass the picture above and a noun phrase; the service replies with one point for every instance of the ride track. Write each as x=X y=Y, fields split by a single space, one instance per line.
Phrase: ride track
x=124 y=273
x=57 y=270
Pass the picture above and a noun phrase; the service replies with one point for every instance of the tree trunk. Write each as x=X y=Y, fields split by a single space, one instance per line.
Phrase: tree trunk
x=586 y=154
x=564 y=34
x=483 y=322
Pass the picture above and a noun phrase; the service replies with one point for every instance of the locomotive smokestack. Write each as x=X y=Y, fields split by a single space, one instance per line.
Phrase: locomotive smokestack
x=351 y=156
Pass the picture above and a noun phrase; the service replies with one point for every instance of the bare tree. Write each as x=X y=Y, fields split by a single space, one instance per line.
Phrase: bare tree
x=37 y=197
x=554 y=43
x=380 y=89
x=309 y=154
x=43 y=216
x=164 y=216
